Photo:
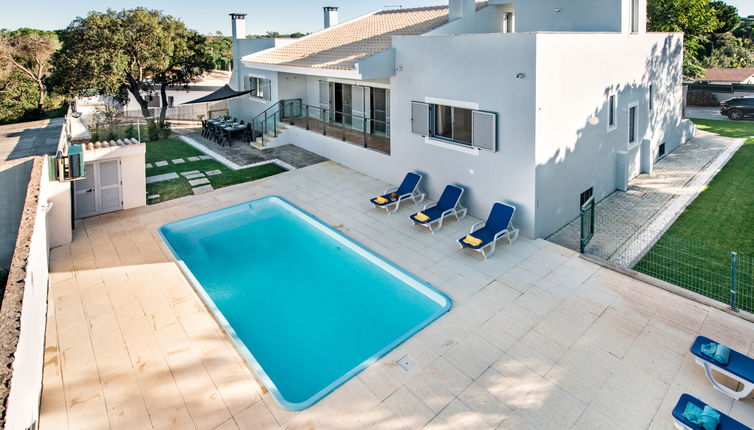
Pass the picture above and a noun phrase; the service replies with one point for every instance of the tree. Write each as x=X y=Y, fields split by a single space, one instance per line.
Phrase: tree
x=728 y=51
x=727 y=16
x=131 y=52
x=698 y=19
x=745 y=30
x=29 y=52
x=221 y=51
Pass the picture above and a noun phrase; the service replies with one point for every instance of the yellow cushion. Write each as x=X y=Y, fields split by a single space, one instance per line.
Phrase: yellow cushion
x=380 y=200
x=421 y=217
x=471 y=240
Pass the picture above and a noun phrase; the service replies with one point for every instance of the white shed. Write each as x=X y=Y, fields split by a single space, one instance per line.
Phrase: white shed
x=115 y=178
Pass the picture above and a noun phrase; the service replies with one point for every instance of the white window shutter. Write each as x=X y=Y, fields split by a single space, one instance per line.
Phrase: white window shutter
x=268 y=89
x=420 y=118
x=484 y=130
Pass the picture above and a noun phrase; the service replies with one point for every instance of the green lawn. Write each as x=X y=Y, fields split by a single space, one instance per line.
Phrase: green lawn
x=695 y=252
x=166 y=150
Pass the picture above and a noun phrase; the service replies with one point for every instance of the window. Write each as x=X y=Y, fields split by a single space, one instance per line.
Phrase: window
x=611 y=112
x=632 y=124
x=586 y=195
x=661 y=150
x=451 y=123
x=459 y=126
x=260 y=88
x=651 y=96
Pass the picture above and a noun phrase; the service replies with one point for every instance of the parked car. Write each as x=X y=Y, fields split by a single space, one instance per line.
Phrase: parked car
x=738 y=107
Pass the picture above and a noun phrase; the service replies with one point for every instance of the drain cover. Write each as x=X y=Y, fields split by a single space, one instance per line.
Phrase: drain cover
x=406 y=363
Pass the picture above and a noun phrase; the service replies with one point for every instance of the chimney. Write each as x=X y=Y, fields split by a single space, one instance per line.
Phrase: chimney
x=331 y=16
x=238 y=31
x=458 y=9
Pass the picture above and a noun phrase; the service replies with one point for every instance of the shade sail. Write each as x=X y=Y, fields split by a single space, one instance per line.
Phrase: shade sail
x=226 y=92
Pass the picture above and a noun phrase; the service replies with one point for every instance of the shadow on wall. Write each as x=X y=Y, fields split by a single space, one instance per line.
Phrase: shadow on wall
x=591 y=160
x=14 y=178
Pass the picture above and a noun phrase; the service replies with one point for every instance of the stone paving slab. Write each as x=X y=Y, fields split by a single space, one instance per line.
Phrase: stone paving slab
x=148 y=166
x=245 y=154
x=213 y=173
x=622 y=216
x=537 y=337
x=161 y=163
x=178 y=161
x=160 y=178
x=203 y=189
x=190 y=172
x=206 y=157
x=153 y=197
x=199 y=181
x=194 y=176
x=193 y=158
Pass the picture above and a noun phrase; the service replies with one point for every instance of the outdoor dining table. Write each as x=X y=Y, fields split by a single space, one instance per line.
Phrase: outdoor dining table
x=229 y=131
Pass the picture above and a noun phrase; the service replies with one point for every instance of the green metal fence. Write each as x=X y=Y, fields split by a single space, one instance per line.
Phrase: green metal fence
x=720 y=274
x=587 y=223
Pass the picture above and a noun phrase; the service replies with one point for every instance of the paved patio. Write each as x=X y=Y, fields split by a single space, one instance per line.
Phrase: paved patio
x=538 y=338
x=622 y=217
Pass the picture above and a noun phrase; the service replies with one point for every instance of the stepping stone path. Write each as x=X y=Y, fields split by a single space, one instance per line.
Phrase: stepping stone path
x=200 y=181
x=193 y=158
x=161 y=163
x=203 y=189
x=148 y=165
x=179 y=161
x=213 y=173
x=190 y=172
x=163 y=177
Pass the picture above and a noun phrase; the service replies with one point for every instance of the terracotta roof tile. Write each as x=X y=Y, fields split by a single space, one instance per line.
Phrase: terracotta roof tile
x=728 y=75
x=342 y=46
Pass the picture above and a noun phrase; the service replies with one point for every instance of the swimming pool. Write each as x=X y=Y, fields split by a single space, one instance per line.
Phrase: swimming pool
x=306 y=306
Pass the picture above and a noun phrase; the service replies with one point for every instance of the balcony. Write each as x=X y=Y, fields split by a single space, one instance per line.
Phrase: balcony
x=359 y=130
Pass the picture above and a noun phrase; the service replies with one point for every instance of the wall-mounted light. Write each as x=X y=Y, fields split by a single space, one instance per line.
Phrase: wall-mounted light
x=558 y=10
x=399 y=69
x=520 y=75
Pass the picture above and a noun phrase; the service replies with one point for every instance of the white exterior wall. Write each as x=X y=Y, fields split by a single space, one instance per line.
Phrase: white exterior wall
x=26 y=382
x=478 y=69
x=247 y=107
x=133 y=175
x=575 y=150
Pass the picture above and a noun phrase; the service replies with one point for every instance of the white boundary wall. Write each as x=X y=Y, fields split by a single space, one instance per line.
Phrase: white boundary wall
x=28 y=364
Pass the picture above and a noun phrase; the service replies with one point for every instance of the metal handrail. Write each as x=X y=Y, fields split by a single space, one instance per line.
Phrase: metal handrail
x=296 y=109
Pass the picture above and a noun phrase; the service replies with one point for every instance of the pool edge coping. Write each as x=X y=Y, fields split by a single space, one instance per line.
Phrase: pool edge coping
x=239 y=345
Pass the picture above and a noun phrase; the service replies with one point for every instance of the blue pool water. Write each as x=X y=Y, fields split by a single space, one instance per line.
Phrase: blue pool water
x=306 y=306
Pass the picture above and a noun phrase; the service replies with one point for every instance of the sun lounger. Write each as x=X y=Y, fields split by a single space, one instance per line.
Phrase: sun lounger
x=484 y=235
x=435 y=212
x=681 y=422
x=409 y=189
x=739 y=368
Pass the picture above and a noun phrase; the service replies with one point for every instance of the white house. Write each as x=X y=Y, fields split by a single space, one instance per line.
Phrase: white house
x=538 y=103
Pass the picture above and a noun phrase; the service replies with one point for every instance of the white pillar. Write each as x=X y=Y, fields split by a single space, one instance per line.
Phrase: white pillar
x=238 y=31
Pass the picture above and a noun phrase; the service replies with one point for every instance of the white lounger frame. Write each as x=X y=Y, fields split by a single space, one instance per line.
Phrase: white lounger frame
x=510 y=233
x=414 y=195
x=745 y=391
x=458 y=211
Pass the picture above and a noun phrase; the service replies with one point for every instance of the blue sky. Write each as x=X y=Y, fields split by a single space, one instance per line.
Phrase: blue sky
x=285 y=16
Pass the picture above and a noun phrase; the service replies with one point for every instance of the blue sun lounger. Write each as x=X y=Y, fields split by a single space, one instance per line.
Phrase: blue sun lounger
x=409 y=189
x=726 y=422
x=499 y=225
x=739 y=367
x=449 y=204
